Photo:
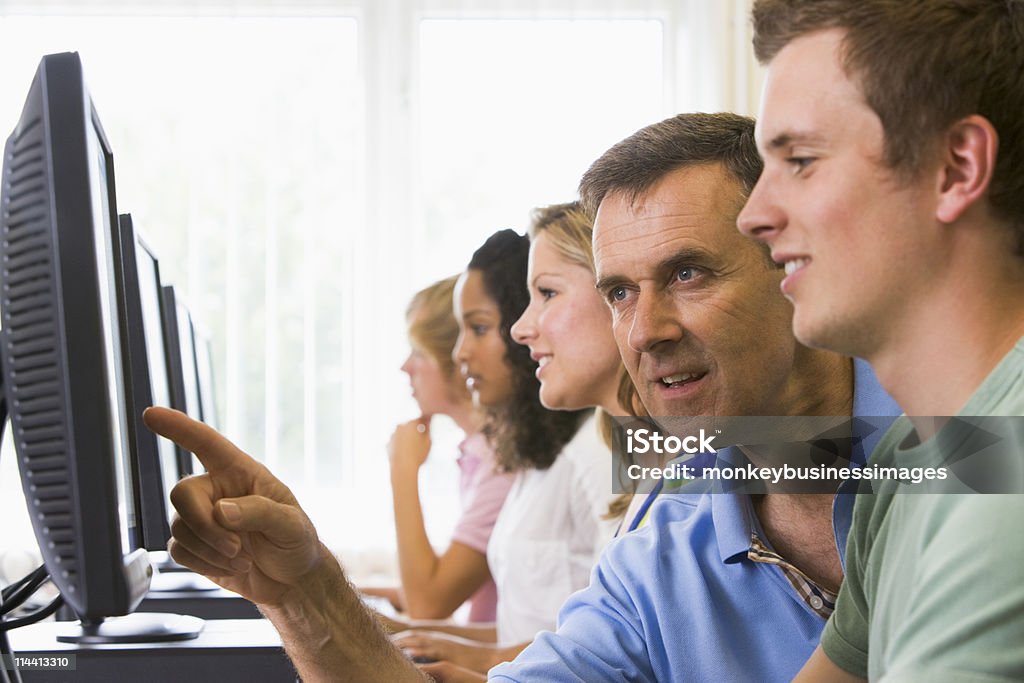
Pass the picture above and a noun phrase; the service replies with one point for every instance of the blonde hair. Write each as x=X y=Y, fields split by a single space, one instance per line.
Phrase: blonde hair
x=570 y=230
x=431 y=323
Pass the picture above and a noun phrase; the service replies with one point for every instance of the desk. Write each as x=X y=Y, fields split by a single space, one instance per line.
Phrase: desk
x=228 y=651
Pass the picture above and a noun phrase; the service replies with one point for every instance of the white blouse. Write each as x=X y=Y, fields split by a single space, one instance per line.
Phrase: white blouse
x=549 y=535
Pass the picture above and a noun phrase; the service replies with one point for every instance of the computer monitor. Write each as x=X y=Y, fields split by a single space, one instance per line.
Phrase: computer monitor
x=204 y=367
x=181 y=356
x=156 y=461
x=64 y=368
x=158 y=458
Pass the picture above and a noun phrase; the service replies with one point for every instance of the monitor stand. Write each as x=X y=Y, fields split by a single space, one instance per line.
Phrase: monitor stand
x=132 y=628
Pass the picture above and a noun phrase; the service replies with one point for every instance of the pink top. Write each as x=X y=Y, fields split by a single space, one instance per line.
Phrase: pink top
x=483 y=491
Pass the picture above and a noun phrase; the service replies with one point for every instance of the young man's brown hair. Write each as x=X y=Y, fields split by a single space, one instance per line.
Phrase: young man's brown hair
x=921 y=66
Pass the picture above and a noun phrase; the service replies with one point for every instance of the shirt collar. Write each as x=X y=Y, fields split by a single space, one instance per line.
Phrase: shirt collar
x=730 y=513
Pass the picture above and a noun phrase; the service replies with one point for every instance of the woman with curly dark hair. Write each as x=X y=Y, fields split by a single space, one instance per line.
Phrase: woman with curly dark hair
x=551 y=528
x=523 y=432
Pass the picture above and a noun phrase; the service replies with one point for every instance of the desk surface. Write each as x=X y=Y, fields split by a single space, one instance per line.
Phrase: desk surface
x=243 y=650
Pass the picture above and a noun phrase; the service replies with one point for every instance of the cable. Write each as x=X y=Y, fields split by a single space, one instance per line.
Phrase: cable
x=28 y=586
x=8 y=675
x=31 y=576
x=11 y=598
x=38 y=615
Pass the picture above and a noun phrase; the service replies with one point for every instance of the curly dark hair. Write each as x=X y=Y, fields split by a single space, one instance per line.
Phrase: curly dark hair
x=524 y=433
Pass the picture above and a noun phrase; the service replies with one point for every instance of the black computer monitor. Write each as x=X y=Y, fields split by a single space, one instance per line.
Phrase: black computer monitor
x=151 y=291
x=64 y=368
x=181 y=357
x=204 y=368
x=156 y=461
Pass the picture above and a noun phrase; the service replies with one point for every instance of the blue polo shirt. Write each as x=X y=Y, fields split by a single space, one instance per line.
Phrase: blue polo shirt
x=679 y=600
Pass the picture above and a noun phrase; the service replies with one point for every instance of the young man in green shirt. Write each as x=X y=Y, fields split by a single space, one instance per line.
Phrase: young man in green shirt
x=893 y=192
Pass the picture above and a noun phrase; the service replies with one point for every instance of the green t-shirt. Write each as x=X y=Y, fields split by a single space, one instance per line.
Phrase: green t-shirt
x=934 y=586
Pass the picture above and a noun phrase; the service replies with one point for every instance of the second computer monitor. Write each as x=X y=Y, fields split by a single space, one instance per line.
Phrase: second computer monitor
x=156 y=461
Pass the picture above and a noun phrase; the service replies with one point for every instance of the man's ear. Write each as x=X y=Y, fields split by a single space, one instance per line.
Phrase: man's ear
x=968 y=154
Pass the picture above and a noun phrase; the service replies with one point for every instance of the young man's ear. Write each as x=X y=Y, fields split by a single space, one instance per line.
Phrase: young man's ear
x=968 y=157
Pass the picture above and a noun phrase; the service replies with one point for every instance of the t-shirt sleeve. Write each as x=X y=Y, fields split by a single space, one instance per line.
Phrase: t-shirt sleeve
x=966 y=622
x=845 y=638
x=599 y=637
x=482 y=507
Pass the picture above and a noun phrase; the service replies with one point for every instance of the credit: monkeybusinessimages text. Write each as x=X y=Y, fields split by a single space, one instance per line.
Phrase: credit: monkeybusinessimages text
x=816 y=454
x=775 y=475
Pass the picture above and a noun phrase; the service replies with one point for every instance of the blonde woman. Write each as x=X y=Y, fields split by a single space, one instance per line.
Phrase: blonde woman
x=433 y=586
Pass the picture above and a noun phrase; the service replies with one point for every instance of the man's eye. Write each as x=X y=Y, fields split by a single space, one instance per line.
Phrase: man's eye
x=686 y=273
x=617 y=294
x=799 y=163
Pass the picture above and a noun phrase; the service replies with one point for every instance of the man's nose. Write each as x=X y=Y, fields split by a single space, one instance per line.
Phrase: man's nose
x=761 y=218
x=655 y=320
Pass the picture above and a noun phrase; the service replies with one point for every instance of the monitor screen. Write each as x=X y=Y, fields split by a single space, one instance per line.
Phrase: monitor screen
x=114 y=360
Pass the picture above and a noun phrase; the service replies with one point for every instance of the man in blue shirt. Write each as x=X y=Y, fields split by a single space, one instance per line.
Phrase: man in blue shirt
x=718 y=586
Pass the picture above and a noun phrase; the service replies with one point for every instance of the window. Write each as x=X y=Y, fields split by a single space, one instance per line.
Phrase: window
x=303 y=169
x=538 y=102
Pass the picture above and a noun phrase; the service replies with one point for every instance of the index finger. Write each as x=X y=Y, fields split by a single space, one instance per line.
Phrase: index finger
x=213 y=450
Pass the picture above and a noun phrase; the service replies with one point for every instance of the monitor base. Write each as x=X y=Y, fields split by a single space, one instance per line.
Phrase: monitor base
x=133 y=628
